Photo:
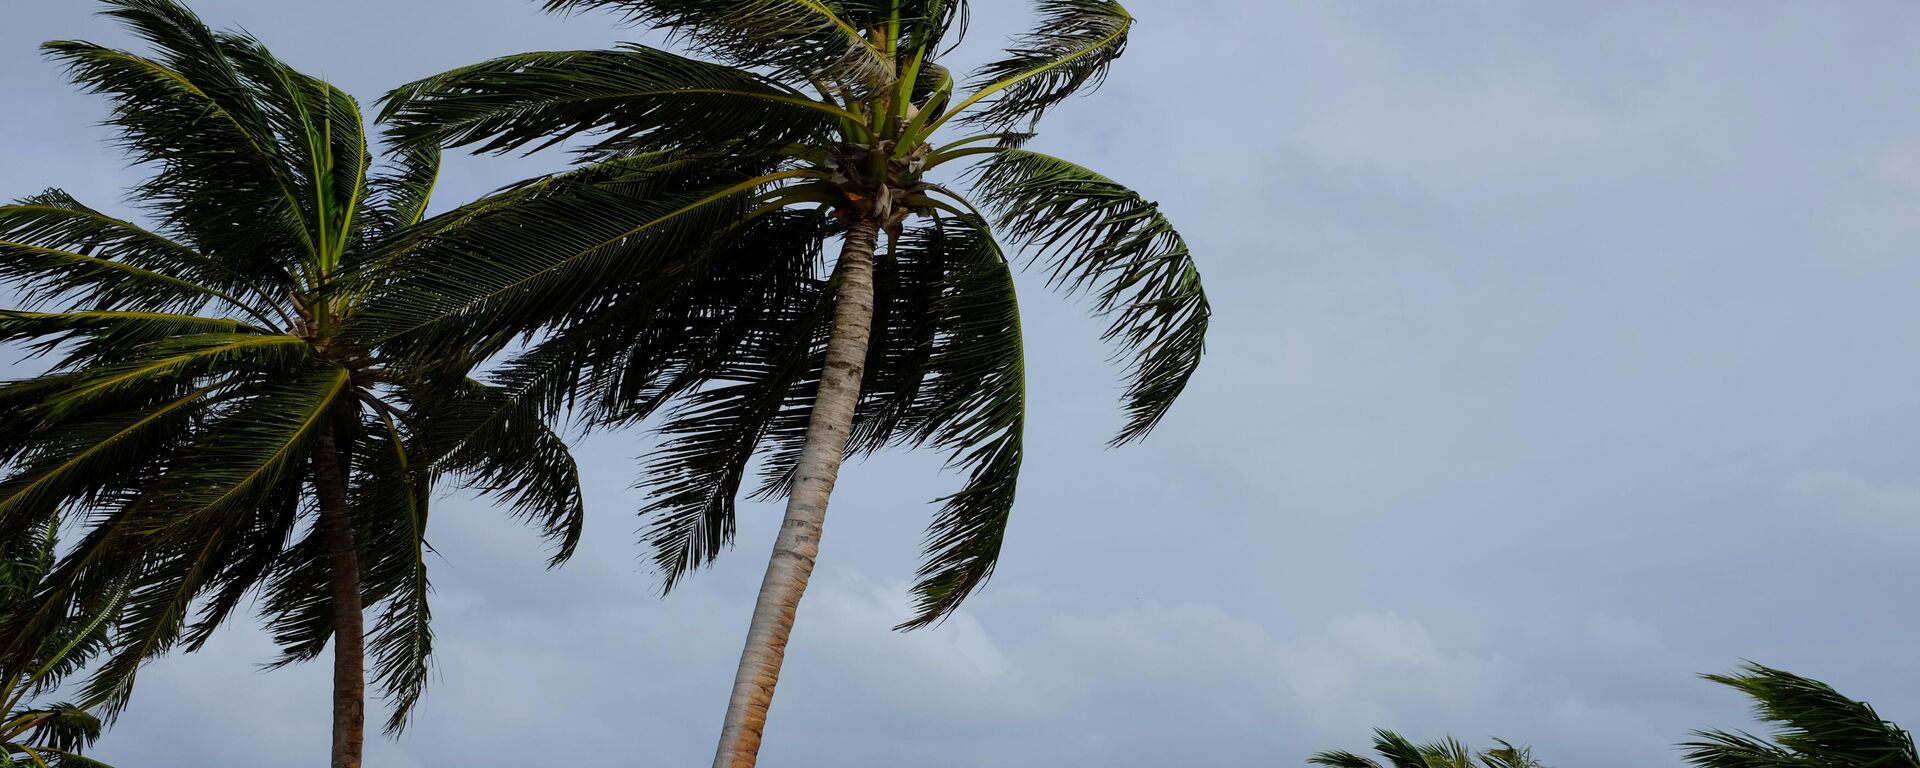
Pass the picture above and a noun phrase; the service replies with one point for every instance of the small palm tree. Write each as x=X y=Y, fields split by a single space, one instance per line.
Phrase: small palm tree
x=682 y=263
x=209 y=420
x=45 y=734
x=1817 y=727
x=1446 y=753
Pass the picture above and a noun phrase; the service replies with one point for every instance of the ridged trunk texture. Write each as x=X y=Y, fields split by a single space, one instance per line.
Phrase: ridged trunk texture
x=798 y=542
x=349 y=629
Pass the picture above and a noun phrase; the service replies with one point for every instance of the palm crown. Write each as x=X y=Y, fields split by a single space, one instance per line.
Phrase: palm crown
x=208 y=400
x=1400 y=752
x=1815 y=726
x=680 y=265
x=680 y=268
x=45 y=734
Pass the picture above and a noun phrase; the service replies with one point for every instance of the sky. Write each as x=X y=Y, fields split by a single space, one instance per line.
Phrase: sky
x=1562 y=351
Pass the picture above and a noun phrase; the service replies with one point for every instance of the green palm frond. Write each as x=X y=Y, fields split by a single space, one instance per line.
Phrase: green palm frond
x=36 y=231
x=100 y=337
x=243 y=457
x=193 y=525
x=193 y=116
x=399 y=196
x=259 y=548
x=1814 y=725
x=1073 y=47
x=632 y=233
x=48 y=258
x=73 y=464
x=693 y=480
x=636 y=98
x=59 y=759
x=63 y=727
x=1104 y=239
x=975 y=406
x=814 y=37
x=502 y=447
x=390 y=505
x=1342 y=759
x=1401 y=752
x=180 y=359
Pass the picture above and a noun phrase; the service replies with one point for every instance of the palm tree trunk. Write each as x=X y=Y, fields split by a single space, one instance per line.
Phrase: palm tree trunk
x=349 y=631
x=798 y=543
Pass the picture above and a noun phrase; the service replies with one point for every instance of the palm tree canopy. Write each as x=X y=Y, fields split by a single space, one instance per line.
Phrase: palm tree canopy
x=50 y=733
x=1400 y=752
x=196 y=362
x=1814 y=725
x=678 y=270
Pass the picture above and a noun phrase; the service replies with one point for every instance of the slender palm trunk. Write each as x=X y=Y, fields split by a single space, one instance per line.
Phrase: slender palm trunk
x=798 y=543
x=349 y=631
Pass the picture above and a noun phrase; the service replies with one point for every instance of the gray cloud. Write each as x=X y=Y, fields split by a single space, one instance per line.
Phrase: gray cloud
x=1564 y=350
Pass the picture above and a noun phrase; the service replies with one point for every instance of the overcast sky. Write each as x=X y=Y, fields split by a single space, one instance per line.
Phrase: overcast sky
x=1563 y=350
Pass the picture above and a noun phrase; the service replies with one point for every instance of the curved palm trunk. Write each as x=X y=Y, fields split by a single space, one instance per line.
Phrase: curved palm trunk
x=349 y=630
x=799 y=539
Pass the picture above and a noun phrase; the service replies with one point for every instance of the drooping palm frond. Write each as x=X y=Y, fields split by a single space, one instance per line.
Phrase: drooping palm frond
x=693 y=481
x=390 y=502
x=1104 y=239
x=503 y=448
x=1814 y=725
x=973 y=405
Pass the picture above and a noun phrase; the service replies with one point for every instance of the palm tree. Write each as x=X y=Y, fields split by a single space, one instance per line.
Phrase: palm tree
x=680 y=265
x=1446 y=753
x=209 y=420
x=45 y=734
x=1817 y=728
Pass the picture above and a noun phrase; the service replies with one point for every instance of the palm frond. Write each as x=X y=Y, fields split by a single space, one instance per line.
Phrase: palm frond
x=400 y=195
x=390 y=497
x=1342 y=759
x=180 y=359
x=45 y=273
x=241 y=458
x=89 y=460
x=502 y=447
x=40 y=236
x=563 y=253
x=63 y=727
x=194 y=116
x=975 y=406
x=1814 y=725
x=1073 y=47
x=1399 y=751
x=801 y=37
x=694 y=478
x=96 y=337
x=635 y=98
x=1104 y=239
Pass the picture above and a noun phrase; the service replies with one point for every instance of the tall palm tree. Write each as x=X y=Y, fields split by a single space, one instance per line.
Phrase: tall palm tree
x=1816 y=727
x=45 y=734
x=680 y=266
x=1446 y=753
x=210 y=421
